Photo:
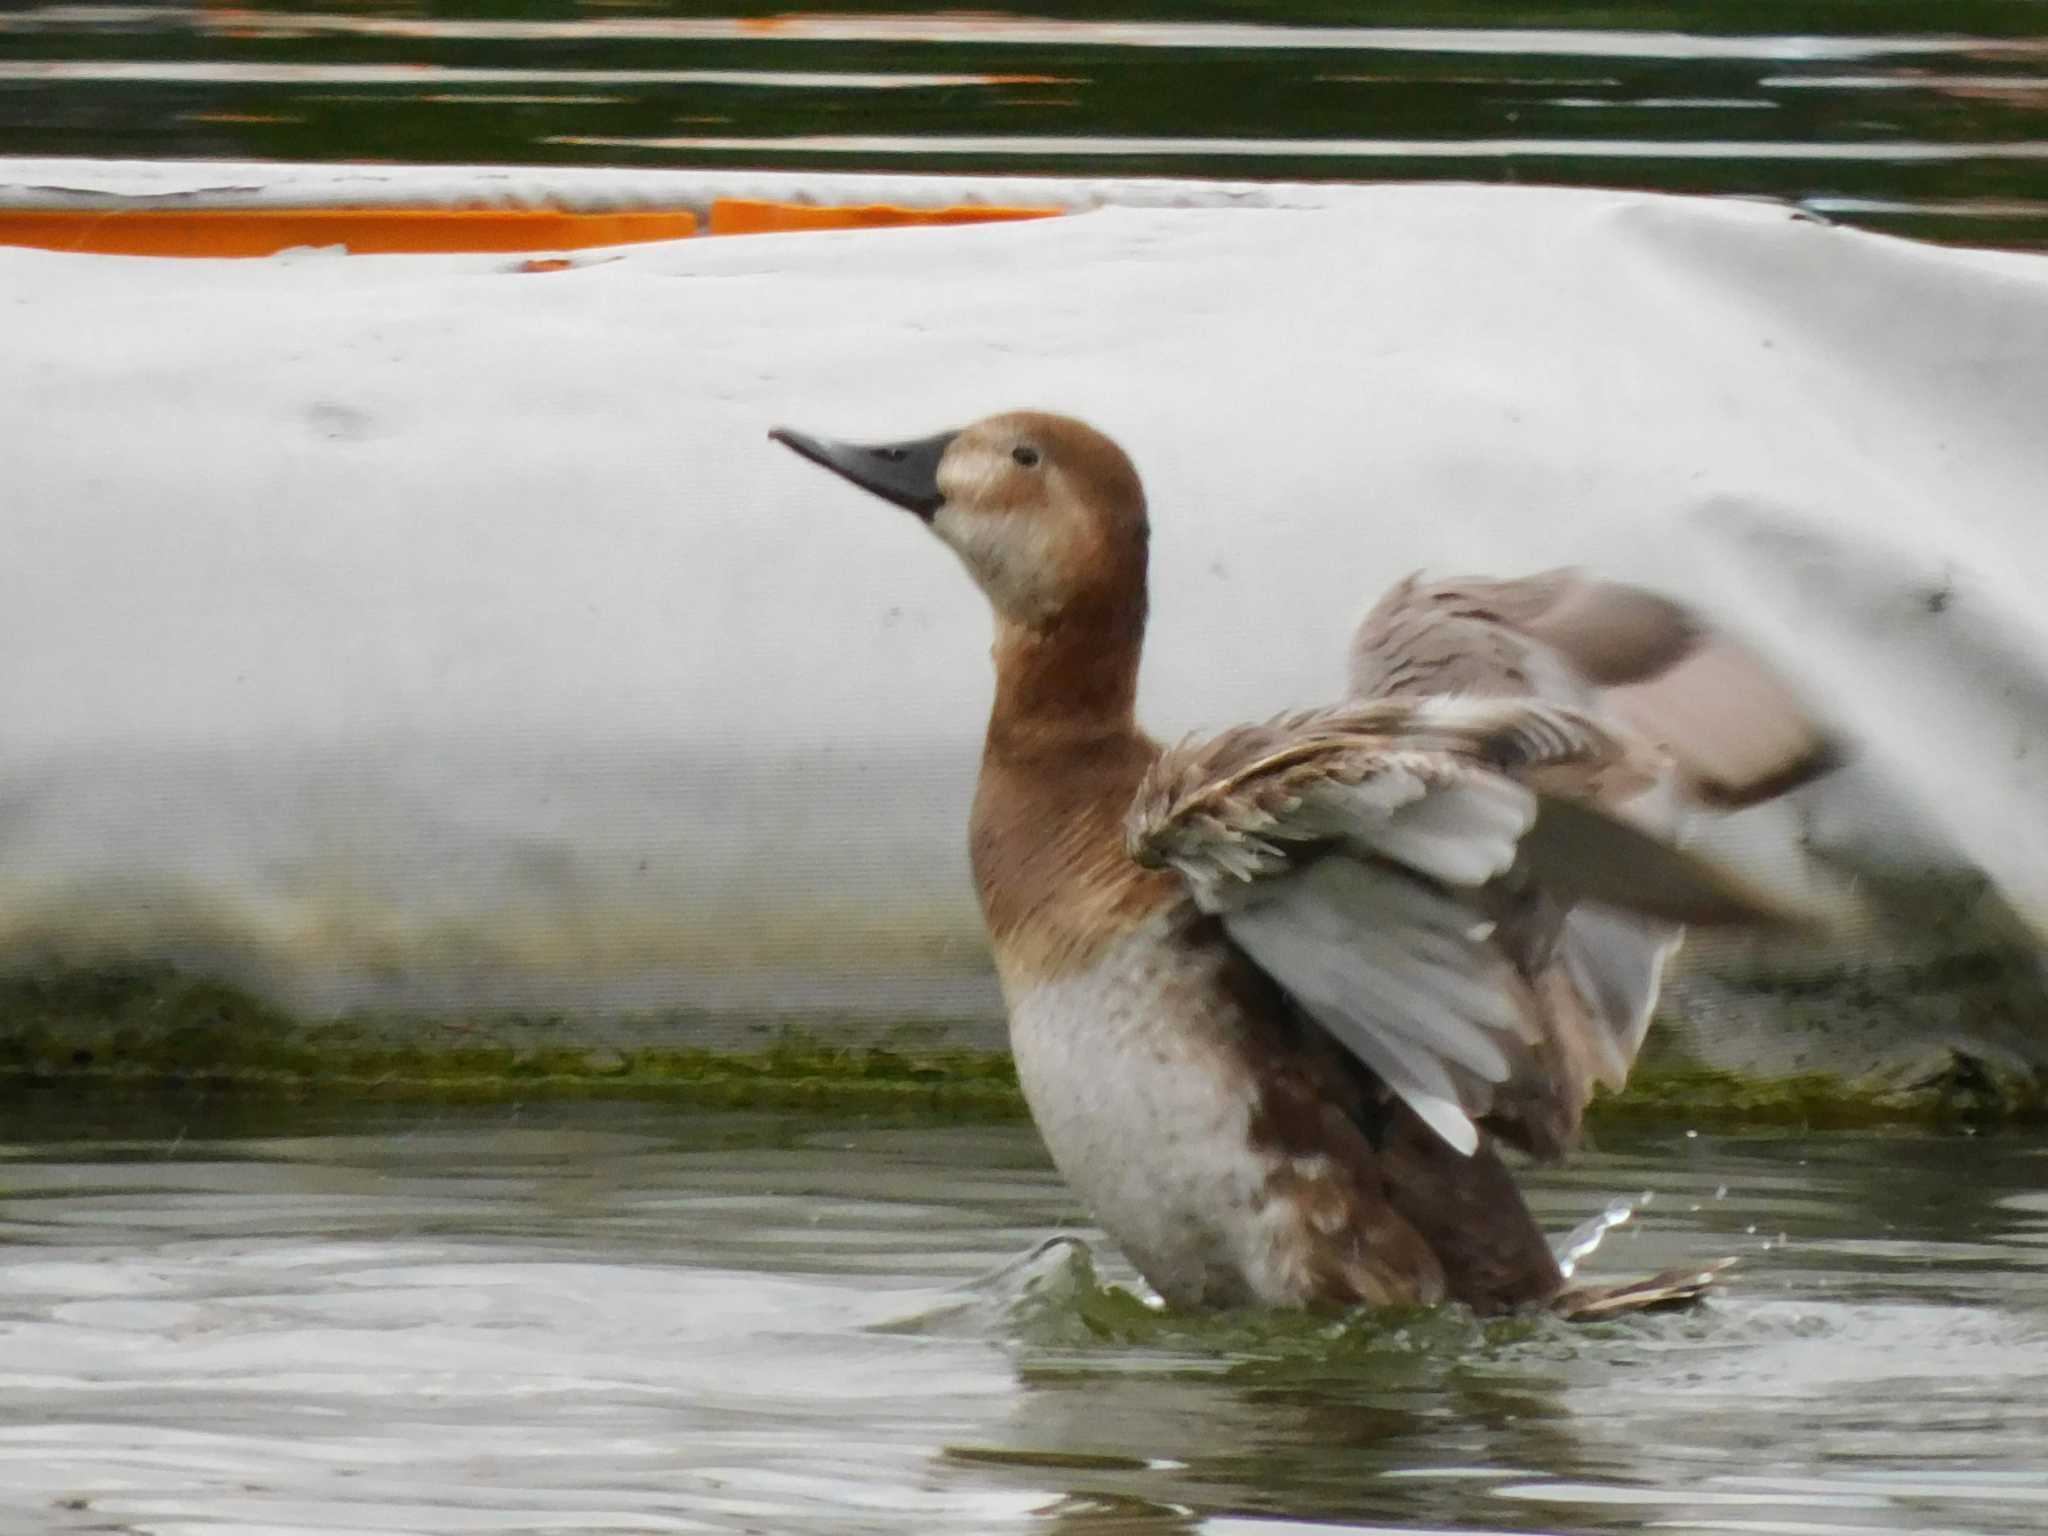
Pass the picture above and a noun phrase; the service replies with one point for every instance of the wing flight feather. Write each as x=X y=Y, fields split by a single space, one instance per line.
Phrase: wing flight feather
x=1464 y=875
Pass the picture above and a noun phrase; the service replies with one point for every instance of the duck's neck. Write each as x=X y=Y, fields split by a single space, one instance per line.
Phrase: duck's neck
x=1066 y=683
x=1063 y=760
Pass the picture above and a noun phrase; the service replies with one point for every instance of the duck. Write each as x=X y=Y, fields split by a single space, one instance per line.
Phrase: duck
x=1279 y=997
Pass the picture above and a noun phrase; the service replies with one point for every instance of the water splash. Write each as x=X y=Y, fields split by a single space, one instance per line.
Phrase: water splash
x=1056 y=1278
x=1588 y=1234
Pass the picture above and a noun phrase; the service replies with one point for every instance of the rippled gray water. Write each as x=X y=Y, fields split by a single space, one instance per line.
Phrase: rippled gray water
x=1925 y=118
x=646 y=1318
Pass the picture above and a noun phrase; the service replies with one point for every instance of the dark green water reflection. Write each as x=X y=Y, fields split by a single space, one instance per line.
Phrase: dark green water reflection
x=1919 y=118
x=630 y=1318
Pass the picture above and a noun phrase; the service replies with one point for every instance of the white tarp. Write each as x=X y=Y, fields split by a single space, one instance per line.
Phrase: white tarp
x=420 y=631
x=194 y=184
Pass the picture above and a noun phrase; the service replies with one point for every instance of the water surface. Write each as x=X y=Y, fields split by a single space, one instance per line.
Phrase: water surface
x=647 y=1318
x=1925 y=118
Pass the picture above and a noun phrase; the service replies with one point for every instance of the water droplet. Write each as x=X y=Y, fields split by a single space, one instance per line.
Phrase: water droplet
x=1586 y=1236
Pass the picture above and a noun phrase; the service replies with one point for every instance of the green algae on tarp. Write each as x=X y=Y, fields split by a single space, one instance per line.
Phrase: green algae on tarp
x=135 y=1027
x=147 y=1027
x=1965 y=1097
x=1941 y=1026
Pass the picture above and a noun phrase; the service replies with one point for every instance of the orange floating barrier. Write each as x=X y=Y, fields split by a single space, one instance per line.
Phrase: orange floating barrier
x=364 y=231
x=244 y=231
x=753 y=216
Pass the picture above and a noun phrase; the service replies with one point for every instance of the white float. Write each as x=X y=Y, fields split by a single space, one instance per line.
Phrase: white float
x=430 y=634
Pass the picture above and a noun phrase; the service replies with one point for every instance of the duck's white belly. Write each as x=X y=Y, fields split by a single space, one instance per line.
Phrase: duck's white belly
x=1135 y=1072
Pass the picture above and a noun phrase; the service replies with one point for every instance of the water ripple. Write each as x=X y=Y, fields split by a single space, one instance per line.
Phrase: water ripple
x=1896 y=120
x=613 y=1317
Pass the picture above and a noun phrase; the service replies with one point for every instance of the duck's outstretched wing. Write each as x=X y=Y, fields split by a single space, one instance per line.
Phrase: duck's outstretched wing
x=1407 y=871
x=1735 y=734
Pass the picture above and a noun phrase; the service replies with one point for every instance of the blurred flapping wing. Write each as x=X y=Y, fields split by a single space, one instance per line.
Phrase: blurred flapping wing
x=1436 y=883
x=1734 y=733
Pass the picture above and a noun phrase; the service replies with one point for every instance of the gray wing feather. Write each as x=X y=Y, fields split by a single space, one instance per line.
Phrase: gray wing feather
x=1331 y=936
x=1465 y=833
x=1615 y=961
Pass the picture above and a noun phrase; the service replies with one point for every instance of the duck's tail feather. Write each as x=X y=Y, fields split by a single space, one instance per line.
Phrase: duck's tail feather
x=1672 y=1289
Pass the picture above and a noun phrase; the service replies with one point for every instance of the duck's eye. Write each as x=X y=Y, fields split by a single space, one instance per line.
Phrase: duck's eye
x=1024 y=454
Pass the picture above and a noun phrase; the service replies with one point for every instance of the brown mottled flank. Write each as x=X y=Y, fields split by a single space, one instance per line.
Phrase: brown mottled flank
x=1221 y=1124
x=1319 y=1122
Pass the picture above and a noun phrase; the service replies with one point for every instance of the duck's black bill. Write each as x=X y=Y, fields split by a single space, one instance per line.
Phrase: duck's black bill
x=905 y=473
